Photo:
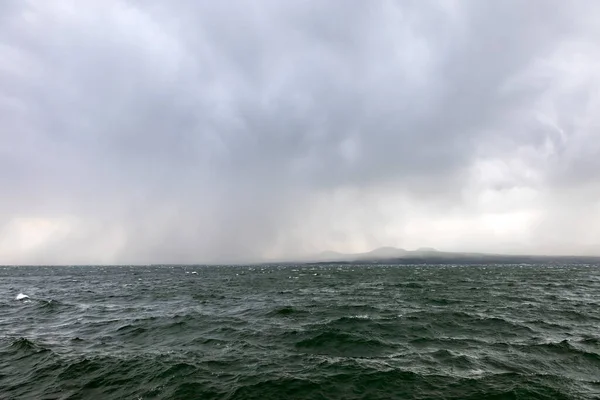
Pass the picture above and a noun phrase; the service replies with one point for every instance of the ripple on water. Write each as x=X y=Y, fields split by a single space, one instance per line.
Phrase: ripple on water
x=335 y=332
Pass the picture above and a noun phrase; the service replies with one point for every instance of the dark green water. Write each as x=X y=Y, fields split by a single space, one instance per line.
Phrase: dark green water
x=312 y=332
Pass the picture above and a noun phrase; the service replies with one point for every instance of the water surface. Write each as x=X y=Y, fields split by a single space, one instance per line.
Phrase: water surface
x=300 y=332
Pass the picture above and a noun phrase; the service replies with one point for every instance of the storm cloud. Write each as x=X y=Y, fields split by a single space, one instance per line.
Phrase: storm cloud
x=185 y=131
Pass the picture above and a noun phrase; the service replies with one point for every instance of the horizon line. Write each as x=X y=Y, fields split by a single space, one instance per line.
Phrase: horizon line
x=308 y=260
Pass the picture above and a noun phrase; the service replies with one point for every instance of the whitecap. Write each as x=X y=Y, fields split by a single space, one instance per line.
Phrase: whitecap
x=21 y=296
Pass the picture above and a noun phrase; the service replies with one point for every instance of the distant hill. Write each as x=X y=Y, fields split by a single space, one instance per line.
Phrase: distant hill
x=383 y=252
x=428 y=255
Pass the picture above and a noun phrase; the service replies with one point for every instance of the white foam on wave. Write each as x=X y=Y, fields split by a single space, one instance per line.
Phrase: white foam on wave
x=21 y=296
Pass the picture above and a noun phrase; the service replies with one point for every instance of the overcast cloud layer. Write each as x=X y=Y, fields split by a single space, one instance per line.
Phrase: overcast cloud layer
x=203 y=131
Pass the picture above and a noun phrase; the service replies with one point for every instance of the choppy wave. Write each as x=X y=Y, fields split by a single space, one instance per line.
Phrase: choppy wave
x=344 y=333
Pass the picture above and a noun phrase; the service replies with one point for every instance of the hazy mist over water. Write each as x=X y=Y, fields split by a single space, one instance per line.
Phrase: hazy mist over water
x=186 y=131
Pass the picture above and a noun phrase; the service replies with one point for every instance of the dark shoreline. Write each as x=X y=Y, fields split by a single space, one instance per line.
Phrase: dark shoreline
x=485 y=260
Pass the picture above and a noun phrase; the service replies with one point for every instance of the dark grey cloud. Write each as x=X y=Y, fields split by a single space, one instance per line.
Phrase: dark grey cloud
x=187 y=131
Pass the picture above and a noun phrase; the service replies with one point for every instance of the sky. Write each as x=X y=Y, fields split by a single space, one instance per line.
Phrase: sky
x=189 y=131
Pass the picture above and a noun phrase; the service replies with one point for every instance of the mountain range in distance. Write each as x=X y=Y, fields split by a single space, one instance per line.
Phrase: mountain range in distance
x=428 y=255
